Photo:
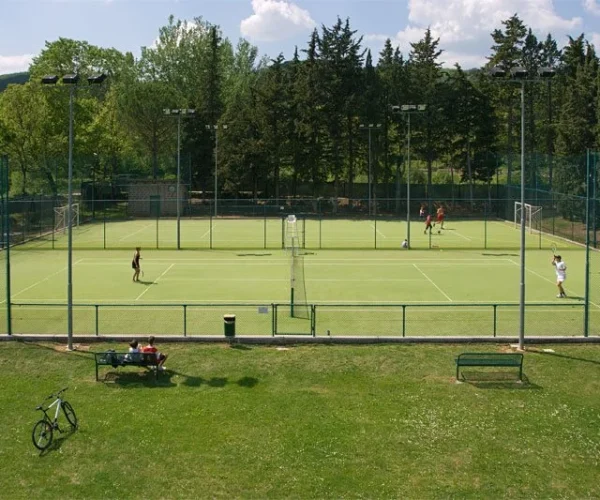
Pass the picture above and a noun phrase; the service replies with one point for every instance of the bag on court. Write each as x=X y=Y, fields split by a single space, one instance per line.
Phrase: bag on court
x=133 y=264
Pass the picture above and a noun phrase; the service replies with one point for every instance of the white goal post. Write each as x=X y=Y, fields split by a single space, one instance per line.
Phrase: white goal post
x=533 y=216
x=61 y=217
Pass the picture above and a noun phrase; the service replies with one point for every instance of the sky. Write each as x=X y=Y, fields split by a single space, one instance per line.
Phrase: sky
x=277 y=26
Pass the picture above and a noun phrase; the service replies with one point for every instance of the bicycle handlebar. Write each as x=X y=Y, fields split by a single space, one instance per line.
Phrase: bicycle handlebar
x=57 y=394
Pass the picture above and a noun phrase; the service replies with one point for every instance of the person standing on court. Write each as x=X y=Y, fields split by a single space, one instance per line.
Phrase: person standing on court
x=135 y=264
x=561 y=275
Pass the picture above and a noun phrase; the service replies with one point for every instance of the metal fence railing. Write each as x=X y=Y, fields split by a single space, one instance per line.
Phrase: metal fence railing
x=401 y=320
x=259 y=224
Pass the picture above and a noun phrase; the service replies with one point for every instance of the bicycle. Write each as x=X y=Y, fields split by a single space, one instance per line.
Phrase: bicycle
x=43 y=430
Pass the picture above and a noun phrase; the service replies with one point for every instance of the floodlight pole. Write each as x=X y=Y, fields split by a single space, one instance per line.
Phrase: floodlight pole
x=70 y=225
x=408 y=109
x=520 y=74
x=522 y=245
x=216 y=129
x=179 y=113
x=371 y=196
x=178 y=181
x=71 y=80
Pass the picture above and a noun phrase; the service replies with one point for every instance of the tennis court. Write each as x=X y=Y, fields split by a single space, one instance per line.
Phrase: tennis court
x=269 y=233
x=355 y=292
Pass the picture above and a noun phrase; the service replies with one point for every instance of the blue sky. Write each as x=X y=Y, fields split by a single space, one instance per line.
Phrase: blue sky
x=463 y=26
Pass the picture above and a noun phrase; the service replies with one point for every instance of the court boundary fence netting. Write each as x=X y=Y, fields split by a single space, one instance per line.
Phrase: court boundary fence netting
x=30 y=223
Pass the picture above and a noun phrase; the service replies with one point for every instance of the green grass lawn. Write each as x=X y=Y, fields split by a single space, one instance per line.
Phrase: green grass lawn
x=305 y=422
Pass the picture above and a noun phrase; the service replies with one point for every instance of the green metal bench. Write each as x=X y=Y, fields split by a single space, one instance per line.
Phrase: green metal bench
x=514 y=360
x=117 y=359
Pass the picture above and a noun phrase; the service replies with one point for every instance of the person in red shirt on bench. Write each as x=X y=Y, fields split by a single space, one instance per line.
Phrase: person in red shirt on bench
x=159 y=355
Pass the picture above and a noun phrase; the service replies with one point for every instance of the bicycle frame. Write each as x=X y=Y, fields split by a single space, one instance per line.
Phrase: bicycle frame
x=58 y=404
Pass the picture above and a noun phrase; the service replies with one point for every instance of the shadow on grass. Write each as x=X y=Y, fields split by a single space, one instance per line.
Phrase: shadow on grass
x=57 y=442
x=253 y=254
x=497 y=380
x=501 y=254
x=146 y=379
x=142 y=282
x=565 y=356
x=133 y=380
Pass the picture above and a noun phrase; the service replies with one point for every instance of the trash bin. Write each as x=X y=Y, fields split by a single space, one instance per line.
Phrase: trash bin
x=229 y=325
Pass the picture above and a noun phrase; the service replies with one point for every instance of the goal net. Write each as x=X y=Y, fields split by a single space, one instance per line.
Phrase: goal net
x=533 y=216
x=298 y=302
x=61 y=217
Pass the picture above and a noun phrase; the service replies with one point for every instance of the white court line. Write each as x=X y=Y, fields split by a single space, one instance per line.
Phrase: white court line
x=459 y=234
x=136 y=232
x=284 y=300
x=548 y=280
x=433 y=283
x=378 y=231
x=154 y=282
x=286 y=280
x=208 y=232
x=315 y=260
x=41 y=281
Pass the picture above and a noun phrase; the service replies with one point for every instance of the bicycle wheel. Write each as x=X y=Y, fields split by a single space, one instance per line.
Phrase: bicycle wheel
x=70 y=414
x=42 y=435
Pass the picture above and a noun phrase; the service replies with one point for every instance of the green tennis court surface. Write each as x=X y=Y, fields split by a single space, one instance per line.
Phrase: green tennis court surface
x=444 y=292
x=268 y=233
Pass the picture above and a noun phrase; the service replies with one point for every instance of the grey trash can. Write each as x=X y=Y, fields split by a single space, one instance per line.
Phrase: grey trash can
x=229 y=325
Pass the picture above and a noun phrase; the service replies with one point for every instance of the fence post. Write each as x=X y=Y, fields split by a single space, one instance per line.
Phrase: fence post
x=586 y=303
x=185 y=320
x=313 y=320
x=495 y=319
x=5 y=189
x=404 y=320
x=273 y=320
x=96 y=306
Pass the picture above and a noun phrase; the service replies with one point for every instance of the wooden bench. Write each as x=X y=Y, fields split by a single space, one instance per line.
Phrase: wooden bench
x=116 y=359
x=514 y=360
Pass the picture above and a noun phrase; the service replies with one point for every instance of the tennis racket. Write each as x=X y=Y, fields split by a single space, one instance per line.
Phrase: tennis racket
x=553 y=249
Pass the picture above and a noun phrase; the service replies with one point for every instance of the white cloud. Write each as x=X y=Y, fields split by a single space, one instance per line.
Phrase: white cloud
x=464 y=26
x=592 y=7
x=596 y=41
x=275 y=20
x=15 y=64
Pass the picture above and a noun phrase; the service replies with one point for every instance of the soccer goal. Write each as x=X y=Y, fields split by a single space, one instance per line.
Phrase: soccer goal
x=61 y=217
x=533 y=216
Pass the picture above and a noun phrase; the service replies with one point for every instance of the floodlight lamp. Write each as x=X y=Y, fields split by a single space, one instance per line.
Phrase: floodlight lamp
x=497 y=72
x=378 y=125
x=546 y=72
x=519 y=72
x=97 y=79
x=166 y=111
x=71 y=79
x=395 y=109
x=225 y=126
x=175 y=111
x=49 y=79
x=422 y=107
x=191 y=111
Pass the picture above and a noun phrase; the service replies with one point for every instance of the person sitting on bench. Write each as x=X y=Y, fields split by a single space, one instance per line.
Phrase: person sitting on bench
x=161 y=357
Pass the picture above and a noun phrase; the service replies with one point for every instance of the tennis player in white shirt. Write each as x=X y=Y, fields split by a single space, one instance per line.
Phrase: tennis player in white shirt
x=561 y=275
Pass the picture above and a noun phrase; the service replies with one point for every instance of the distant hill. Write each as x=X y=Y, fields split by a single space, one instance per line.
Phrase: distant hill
x=6 y=80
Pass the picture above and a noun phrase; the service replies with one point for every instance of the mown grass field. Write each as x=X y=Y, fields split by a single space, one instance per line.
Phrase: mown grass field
x=305 y=422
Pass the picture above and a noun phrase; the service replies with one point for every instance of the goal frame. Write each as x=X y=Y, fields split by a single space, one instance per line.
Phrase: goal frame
x=533 y=216
x=61 y=217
